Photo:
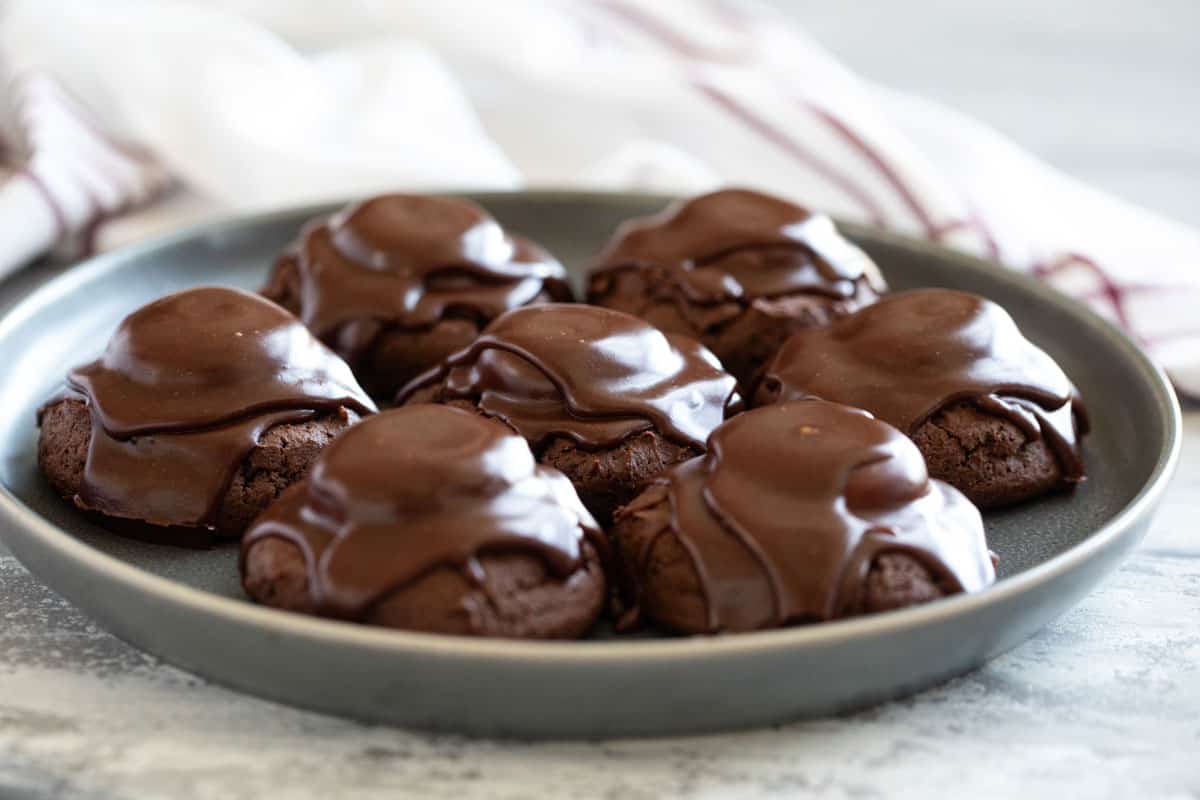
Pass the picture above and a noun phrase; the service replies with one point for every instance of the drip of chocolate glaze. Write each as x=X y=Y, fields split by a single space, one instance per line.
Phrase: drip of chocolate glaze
x=418 y=488
x=182 y=393
x=915 y=353
x=791 y=505
x=592 y=374
x=125 y=477
x=737 y=245
x=408 y=261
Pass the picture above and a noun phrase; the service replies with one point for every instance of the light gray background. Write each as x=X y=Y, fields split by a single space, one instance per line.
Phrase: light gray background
x=1108 y=90
x=1104 y=703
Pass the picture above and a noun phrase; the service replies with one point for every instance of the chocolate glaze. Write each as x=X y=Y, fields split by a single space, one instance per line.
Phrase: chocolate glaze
x=735 y=246
x=409 y=261
x=785 y=514
x=914 y=353
x=592 y=374
x=414 y=489
x=182 y=392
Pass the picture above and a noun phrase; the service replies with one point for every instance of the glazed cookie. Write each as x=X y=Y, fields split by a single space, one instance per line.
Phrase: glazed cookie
x=205 y=406
x=737 y=269
x=396 y=283
x=800 y=512
x=600 y=395
x=432 y=519
x=991 y=412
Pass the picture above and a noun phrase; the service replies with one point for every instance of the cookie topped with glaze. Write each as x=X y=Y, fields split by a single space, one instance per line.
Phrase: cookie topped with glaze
x=800 y=512
x=601 y=395
x=737 y=269
x=991 y=411
x=397 y=282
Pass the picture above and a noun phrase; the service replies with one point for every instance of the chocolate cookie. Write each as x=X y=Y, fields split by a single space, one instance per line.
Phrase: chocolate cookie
x=800 y=512
x=600 y=395
x=737 y=269
x=396 y=283
x=204 y=407
x=432 y=519
x=992 y=413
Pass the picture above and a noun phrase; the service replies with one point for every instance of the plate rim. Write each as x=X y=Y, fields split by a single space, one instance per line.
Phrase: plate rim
x=243 y=611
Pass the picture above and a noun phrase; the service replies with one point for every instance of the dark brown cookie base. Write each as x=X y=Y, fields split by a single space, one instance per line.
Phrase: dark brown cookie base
x=516 y=597
x=283 y=455
x=663 y=587
x=608 y=479
x=396 y=356
x=746 y=343
x=986 y=457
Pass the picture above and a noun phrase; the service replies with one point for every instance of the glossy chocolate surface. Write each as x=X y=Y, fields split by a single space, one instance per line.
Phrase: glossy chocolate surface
x=738 y=245
x=591 y=374
x=785 y=514
x=182 y=392
x=408 y=262
x=414 y=489
x=914 y=353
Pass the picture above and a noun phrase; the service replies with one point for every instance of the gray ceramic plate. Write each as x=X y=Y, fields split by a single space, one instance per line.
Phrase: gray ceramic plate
x=187 y=607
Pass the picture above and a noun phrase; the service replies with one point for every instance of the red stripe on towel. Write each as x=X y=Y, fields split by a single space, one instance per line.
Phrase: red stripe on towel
x=794 y=148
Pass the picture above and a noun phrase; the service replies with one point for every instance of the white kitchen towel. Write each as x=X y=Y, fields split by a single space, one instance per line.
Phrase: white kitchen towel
x=265 y=103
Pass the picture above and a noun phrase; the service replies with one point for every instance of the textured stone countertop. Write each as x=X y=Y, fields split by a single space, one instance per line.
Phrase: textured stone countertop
x=1103 y=703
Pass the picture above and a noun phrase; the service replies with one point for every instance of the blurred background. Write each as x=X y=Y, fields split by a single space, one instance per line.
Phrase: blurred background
x=1107 y=90
x=253 y=104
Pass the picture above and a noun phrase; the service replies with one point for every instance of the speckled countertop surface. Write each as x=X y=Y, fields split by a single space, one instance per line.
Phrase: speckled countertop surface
x=1103 y=703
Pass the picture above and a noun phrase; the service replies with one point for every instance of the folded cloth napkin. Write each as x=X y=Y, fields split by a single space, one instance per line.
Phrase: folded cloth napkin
x=241 y=104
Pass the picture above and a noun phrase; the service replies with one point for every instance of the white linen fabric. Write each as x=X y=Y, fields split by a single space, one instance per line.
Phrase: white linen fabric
x=129 y=116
